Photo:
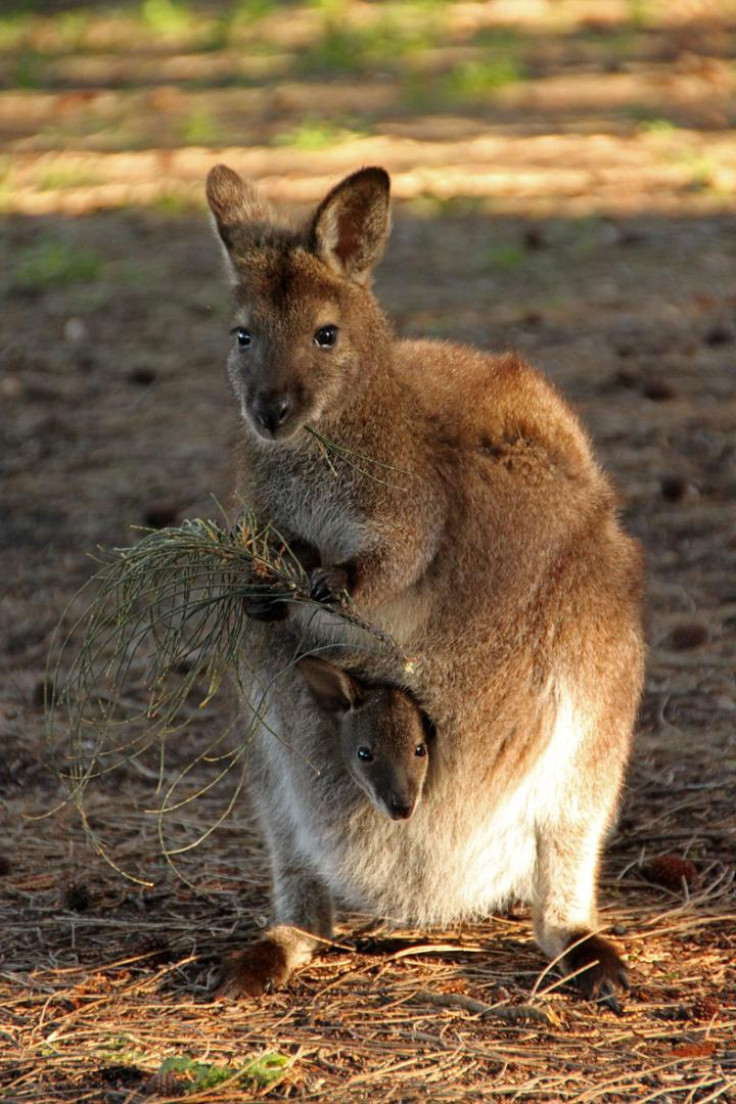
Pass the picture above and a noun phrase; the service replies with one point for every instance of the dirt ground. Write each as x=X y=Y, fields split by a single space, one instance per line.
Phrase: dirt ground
x=581 y=212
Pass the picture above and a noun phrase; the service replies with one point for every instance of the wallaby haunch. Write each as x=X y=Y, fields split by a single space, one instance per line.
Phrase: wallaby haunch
x=472 y=523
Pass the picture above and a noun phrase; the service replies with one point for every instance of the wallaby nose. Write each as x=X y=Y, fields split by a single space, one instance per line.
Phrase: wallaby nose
x=401 y=809
x=271 y=411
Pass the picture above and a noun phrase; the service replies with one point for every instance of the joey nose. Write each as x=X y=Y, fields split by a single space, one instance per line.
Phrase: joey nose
x=400 y=808
x=271 y=411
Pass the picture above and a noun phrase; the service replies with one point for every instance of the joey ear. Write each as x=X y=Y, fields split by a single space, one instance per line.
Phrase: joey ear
x=234 y=202
x=334 y=690
x=351 y=225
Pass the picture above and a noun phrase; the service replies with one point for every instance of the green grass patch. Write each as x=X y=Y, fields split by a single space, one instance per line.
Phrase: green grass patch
x=703 y=172
x=429 y=205
x=200 y=129
x=174 y=204
x=166 y=17
x=28 y=70
x=644 y=13
x=58 y=177
x=252 y=11
x=123 y=1049
x=315 y=133
x=504 y=258
x=648 y=118
x=51 y=263
x=474 y=80
x=194 y=1077
x=657 y=124
x=191 y=27
x=389 y=43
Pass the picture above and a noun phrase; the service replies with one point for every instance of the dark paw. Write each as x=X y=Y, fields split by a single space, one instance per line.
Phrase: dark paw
x=603 y=975
x=325 y=583
x=266 y=609
x=260 y=969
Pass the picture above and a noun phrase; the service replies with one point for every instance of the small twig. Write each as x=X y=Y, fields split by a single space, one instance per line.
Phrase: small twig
x=509 y=1013
x=433 y=948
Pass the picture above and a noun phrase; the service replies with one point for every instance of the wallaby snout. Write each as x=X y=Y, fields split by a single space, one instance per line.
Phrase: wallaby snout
x=401 y=807
x=270 y=411
x=280 y=379
x=271 y=385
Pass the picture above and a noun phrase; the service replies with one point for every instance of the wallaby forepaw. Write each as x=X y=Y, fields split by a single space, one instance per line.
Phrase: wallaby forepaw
x=325 y=583
x=600 y=973
x=251 y=973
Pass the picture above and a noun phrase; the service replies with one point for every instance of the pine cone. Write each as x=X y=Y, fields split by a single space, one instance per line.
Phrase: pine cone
x=670 y=871
x=164 y=1084
x=705 y=1008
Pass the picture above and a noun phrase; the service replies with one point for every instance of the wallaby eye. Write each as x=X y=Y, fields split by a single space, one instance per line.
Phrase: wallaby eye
x=243 y=336
x=326 y=337
x=365 y=754
x=420 y=751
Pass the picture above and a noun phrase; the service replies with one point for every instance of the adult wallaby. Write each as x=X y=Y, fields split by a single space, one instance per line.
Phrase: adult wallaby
x=381 y=732
x=461 y=506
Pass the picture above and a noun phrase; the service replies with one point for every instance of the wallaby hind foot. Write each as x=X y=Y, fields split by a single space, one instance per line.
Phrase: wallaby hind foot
x=266 y=965
x=600 y=973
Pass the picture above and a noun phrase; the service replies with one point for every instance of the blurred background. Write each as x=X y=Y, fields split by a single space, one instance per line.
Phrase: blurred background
x=537 y=105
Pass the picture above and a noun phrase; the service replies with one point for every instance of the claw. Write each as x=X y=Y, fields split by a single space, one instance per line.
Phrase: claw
x=610 y=1000
x=603 y=975
x=325 y=581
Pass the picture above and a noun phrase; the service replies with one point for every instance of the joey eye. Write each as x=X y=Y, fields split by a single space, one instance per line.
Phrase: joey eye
x=420 y=751
x=243 y=336
x=326 y=337
x=365 y=754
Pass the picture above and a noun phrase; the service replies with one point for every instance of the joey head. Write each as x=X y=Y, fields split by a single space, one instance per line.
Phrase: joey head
x=382 y=735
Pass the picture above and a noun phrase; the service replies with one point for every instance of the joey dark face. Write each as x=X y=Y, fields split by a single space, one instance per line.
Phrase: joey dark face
x=385 y=749
x=382 y=736
x=306 y=327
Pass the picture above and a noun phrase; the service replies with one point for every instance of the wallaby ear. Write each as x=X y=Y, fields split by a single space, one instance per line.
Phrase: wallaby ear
x=351 y=225
x=333 y=689
x=234 y=203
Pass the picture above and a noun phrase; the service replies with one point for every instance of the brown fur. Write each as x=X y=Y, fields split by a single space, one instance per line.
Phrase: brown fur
x=479 y=530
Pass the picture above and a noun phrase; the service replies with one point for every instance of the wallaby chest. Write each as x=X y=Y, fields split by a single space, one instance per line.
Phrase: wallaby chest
x=308 y=503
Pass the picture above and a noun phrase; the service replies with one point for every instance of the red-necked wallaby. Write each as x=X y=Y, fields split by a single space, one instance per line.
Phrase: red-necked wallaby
x=461 y=506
